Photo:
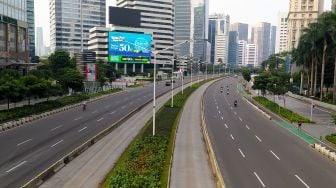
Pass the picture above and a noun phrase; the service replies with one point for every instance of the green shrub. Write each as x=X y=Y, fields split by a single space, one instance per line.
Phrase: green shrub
x=331 y=138
x=283 y=112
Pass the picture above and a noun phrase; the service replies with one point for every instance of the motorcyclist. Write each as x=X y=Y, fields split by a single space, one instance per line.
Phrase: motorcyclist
x=235 y=103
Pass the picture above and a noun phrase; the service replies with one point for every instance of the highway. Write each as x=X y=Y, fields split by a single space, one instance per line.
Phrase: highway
x=253 y=151
x=28 y=150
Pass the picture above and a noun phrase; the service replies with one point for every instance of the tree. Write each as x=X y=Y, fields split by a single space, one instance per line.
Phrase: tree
x=246 y=74
x=260 y=83
x=13 y=91
x=71 y=78
x=59 y=59
x=35 y=59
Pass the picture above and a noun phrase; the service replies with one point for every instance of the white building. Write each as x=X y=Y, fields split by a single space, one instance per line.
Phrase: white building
x=281 y=41
x=157 y=16
x=241 y=53
x=70 y=22
x=40 y=47
x=251 y=58
x=219 y=26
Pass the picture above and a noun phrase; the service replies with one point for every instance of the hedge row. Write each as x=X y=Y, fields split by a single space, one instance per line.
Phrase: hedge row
x=331 y=138
x=283 y=112
x=145 y=163
x=19 y=112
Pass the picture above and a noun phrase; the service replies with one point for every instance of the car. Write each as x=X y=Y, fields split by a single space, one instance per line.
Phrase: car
x=168 y=83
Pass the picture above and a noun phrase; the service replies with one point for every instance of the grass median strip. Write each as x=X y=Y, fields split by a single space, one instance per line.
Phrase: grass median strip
x=331 y=138
x=20 y=112
x=145 y=163
x=283 y=112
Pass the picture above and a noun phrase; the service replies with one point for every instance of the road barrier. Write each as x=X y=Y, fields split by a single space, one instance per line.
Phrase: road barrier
x=323 y=150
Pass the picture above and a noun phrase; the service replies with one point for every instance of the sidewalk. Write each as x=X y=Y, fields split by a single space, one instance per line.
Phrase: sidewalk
x=191 y=167
x=323 y=121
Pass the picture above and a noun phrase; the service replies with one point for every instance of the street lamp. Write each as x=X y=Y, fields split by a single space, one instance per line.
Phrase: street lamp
x=154 y=90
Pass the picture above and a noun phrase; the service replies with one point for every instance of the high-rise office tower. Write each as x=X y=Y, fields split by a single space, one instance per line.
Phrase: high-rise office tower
x=191 y=22
x=157 y=16
x=273 y=40
x=233 y=47
x=14 y=35
x=242 y=30
x=251 y=59
x=261 y=36
x=301 y=13
x=281 y=41
x=241 y=53
x=333 y=5
x=31 y=27
x=40 y=48
x=70 y=22
x=219 y=25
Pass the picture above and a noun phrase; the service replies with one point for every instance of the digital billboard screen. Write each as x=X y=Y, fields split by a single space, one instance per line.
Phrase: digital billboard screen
x=124 y=17
x=124 y=47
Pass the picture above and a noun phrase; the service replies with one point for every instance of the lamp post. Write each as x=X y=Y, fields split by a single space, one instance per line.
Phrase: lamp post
x=154 y=90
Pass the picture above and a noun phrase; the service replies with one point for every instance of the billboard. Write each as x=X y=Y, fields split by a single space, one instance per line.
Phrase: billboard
x=130 y=17
x=91 y=72
x=124 y=47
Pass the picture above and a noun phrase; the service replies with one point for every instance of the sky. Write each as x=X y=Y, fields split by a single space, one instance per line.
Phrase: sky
x=245 y=11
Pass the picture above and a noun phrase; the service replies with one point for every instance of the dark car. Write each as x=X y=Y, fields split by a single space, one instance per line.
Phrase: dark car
x=168 y=83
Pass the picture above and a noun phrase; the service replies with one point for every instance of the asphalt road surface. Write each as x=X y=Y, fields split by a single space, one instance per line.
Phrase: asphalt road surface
x=253 y=151
x=28 y=150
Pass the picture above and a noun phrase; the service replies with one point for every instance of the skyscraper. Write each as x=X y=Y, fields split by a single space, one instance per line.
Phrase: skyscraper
x=233 y=46
x=333 y=6
x=200 y=28
x=31 y=27
x=261 y=36
x=242 y=30
x=40 y=48
x=219 y=25
x=273 y=40
x=301 y=13
x=14 y=35
x=281 y=41
x=241 y=53
x=183 y=28
x=157 y=16
x=70 y=22
x=251 y=59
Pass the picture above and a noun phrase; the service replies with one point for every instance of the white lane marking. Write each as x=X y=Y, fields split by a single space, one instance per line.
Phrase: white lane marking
x=131 y=103
x=241 y=152
x=82 y=129
x=217 y=107
x=231 y=108
x=123 y=107
x=107 y=106
x=113 y=112
x=56 y=127
x=240 y=119
x=275 y=155
x=226 y=126
x=57 y=143
x=219 y=111
x=261 y=182
x=78 y=118
x=222 y=118
x=304 y=183
x=232 y=137
x=20 y=164
x=96 y=111
x=235 y=113
x=100 y=119
x=247 y=127
x=24 y=142
x=258 y=138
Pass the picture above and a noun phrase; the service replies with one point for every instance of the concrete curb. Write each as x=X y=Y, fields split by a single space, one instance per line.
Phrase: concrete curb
x=211 y=153
x=258 y=109
x=324 y=151
x=22 y=121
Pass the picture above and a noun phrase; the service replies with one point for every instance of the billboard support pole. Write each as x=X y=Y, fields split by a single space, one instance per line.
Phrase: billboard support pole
x=154 y=93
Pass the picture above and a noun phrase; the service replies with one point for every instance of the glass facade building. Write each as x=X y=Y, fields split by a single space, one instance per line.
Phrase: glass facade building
x=233 y=46
x=31 y=27
x=71 y=20
x=13 y=34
